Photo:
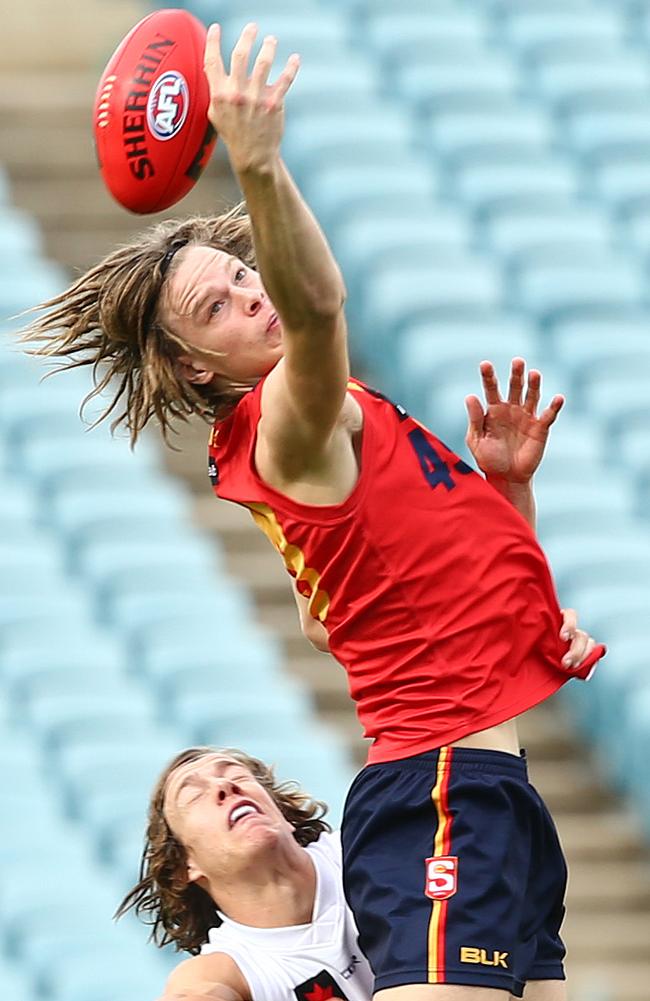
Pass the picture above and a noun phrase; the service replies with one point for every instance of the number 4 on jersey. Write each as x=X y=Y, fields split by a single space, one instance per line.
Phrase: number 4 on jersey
x=434 y=467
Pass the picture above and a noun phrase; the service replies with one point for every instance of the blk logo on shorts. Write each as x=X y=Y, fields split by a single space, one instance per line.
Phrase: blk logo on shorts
x=319 y=988
x=441 y=877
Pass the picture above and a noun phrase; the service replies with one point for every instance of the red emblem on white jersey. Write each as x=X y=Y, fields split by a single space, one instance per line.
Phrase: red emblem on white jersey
x=441 y=877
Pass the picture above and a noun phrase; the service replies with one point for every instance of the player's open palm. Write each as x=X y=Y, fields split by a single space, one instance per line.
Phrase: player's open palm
x=247 y=111
x=507 y=438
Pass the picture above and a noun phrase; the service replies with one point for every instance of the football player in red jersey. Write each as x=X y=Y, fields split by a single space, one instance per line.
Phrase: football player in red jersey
x=425 y=575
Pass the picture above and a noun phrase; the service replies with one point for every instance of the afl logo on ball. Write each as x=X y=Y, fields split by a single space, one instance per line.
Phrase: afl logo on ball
x=167 y=106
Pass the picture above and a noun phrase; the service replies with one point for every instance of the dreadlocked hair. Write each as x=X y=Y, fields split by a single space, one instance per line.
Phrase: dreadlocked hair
x=108 y=319
x=179 y=911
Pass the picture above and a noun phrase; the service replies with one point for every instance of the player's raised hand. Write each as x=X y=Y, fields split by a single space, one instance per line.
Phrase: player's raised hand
x=245 y=109
x=506 y=437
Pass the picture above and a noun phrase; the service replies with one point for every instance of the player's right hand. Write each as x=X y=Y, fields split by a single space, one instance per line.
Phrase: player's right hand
x=246 y=111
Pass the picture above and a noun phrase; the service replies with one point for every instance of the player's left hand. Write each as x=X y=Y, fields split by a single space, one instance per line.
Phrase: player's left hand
x=507 y=438
x=581 y=643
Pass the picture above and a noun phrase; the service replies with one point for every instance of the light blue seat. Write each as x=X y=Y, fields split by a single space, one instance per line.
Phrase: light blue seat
x=516 y=230
x=473 y=133
x=76 y=507
x=601 y=339
x=314 y=31
x=532 y=31
x=64 y=605
x=29 y=284
x=615 y=561
x=608 y=610
x=502 y=179
x=369 y=132
x=133 y=614
x=190 y=663
x=439 y=83
x=229 y=719
x=15 y=982
x=633 y=447
x=17 y=503
x=97 y=778
x=54 y=716
x=405 y=291
x=77 y=979
x=430 y=353
x=20 y=236
x=635 y=225
x=64 y=649
x=573 y=511
x=600 y=281
x=324 y=84
x=363 y=242
x=24 y=557
x=103 y=559
x=395 y=34
x=615 y=396
x=598 y=133
x=624 y=182
x=335 y=189
x=579 y=82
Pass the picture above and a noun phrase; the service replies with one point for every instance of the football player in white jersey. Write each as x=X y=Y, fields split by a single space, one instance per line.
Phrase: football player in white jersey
x=244 y=874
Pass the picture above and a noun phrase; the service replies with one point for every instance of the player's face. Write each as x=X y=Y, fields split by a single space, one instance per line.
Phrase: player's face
x=216 y=303
x=222 y=815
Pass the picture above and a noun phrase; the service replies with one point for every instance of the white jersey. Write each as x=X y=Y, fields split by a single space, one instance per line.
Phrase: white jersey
x=317 y=961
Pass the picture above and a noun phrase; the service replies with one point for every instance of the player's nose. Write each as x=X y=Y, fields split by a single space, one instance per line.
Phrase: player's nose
x=251 y=299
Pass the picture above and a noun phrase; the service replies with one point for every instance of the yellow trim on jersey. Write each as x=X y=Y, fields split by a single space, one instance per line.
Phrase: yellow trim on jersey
x=439 y=907
x=294 y=558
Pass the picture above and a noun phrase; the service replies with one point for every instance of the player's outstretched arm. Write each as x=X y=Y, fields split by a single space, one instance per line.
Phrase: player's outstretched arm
x=304 y=393
x=507 y=437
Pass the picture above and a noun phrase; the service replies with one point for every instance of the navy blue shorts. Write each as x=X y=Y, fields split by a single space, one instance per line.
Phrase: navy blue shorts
x=454 y=871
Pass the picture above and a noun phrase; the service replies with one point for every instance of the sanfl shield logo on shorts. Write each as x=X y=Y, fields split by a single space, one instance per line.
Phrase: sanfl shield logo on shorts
x=168 y=105
x=441 y=877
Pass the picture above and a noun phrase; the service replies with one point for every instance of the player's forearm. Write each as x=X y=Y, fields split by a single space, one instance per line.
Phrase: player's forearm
x=294 y=259
x=521 y=497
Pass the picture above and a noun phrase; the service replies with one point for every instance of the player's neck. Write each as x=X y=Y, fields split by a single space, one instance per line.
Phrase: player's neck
x=277 y=891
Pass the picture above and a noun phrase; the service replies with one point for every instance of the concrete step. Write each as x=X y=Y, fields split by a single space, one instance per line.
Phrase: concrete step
x=610 y=981
x=613 y=887
x=601 y=836
x=598 y=937
x=569 y=786
x=41 y=36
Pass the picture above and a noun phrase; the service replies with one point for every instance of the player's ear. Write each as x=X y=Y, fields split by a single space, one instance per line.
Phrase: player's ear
x=194 y=873
x=192 y=372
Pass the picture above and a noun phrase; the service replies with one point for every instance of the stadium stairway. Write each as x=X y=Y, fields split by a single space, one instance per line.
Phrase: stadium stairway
x=47 y=83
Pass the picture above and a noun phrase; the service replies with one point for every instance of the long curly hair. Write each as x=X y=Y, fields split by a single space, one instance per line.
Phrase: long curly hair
x=108 y=319
x=180 y=911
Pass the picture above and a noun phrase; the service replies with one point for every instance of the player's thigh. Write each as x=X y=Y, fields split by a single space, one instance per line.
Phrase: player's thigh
x=545 y=990
x=440 y=992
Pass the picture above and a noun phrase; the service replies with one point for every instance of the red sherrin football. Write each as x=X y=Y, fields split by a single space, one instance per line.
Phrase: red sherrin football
x=150 y=119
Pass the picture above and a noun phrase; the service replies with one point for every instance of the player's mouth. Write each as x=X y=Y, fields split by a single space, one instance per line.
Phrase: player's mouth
x=242 y=809
x=273 y=323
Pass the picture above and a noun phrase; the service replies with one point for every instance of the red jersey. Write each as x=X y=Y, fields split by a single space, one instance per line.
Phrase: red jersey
x=436 y=597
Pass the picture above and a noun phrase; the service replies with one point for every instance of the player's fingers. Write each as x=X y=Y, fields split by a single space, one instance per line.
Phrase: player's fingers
x=263 y=63
x=569 y=623
x=533 y=391
x=516 y=384
x=548 y=416
x=286 y=78
x=581 y=646
x=241 y=54
x=212 y=61
x=490 y=383
x=475 y=415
